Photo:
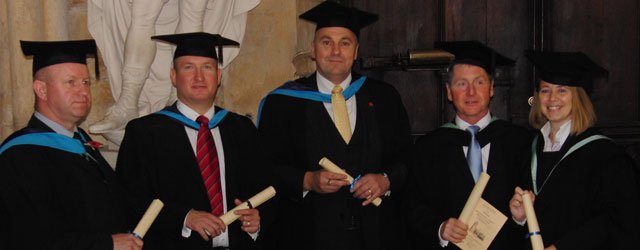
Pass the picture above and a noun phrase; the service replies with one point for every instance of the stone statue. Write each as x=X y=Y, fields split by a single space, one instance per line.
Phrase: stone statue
x=137 y=66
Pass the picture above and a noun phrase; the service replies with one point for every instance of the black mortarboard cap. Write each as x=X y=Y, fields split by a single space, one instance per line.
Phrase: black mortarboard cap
x=197 y=44
x=567 y=68
x=46 y=53
x=330 y=14
x=475 y=53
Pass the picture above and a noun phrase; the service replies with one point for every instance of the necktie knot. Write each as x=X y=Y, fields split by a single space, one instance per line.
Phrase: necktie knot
x=203 y=120
x=340 y=113
x=336 y=90
x=473 y=129
x=474 y=154
x=77 y=136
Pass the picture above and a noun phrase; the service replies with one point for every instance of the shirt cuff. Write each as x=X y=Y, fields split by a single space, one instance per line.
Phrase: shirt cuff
x=521 y=223
x=388 y=193
x=186 y=232
x=443 y=243
x=254 y=236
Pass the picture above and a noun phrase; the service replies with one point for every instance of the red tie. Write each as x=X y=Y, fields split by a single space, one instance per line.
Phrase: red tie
x=207 y=156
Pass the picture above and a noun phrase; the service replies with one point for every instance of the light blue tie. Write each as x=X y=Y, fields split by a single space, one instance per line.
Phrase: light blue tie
x=474 y=154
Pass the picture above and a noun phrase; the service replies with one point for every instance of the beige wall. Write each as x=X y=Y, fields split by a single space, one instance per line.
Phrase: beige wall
x=274 y=36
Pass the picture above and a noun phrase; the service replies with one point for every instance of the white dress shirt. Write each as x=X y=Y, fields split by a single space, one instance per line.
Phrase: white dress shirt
x=551 y=146
x=54 y=125
x=483 y=123
x=325 y=86
x=221 y=240
x=558 y=140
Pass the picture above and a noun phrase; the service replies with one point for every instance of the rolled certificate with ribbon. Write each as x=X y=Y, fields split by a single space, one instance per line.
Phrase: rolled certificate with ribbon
x=148 y=218
x=532 y=223
x=475 y=195
x=332 y=167
x=252 y=202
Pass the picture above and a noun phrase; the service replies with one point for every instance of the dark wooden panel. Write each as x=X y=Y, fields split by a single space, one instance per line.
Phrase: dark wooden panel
x=505 y=26
x=621 y=43
x=509 y=32
x=420 y=95
x=465 y=20
x=608 y=31
x=405 y=25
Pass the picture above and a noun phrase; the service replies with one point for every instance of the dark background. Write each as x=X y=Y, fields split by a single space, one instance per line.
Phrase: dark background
x=608 y=31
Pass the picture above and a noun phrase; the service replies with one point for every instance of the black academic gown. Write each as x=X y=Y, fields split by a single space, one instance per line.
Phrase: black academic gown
x=440 y=180
x=156 y=160
x=53 y=199
x=590 y=201
x=297 y=133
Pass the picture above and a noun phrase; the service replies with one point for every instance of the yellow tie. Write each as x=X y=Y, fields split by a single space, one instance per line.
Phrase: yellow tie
x=340 y=115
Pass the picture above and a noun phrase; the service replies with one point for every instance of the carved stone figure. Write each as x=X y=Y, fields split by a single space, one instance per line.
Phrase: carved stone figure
x=136 y=65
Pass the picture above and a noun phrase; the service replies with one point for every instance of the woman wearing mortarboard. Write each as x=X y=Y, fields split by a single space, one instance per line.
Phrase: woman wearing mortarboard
x=586 y=189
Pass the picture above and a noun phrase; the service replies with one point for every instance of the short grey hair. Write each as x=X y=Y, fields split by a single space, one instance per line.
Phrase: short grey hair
x=449 y=73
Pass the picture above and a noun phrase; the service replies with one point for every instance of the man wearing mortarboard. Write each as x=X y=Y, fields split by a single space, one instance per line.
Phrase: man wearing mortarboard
x=448 y=161
x=358 y=123
x=56 y=190
x=199 y=159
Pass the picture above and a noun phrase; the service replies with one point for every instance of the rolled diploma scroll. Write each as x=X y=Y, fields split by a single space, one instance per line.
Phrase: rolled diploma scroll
x=255 y=201
x=148 y=218
x=532 y=223
x=474 y=197
x=332 y=167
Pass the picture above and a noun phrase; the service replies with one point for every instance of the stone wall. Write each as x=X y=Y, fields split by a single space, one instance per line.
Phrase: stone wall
x=274 y=36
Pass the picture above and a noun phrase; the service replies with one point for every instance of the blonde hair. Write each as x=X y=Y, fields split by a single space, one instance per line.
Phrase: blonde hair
x=582 y=114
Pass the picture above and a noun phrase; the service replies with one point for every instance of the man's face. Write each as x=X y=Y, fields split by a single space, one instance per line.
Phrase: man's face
x=334 y=49
x=470 y=91
x=196 y=79
x=65 y=91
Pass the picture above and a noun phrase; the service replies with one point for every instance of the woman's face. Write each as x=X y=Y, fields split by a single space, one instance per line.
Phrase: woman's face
x=555 y=102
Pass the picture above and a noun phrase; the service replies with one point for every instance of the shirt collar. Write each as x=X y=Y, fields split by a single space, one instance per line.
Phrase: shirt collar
x=482 y=123
x=325 y=86
x=54 y=125
x=192 y=114
x=561 y=135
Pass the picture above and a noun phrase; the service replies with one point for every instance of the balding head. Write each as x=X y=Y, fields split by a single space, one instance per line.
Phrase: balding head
x=62 y=93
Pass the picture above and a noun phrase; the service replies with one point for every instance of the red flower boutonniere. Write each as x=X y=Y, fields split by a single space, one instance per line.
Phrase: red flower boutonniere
x=94 y=144
x=370 y=104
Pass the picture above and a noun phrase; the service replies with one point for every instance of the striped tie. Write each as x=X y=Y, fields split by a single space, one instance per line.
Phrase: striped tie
x=207 y=156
